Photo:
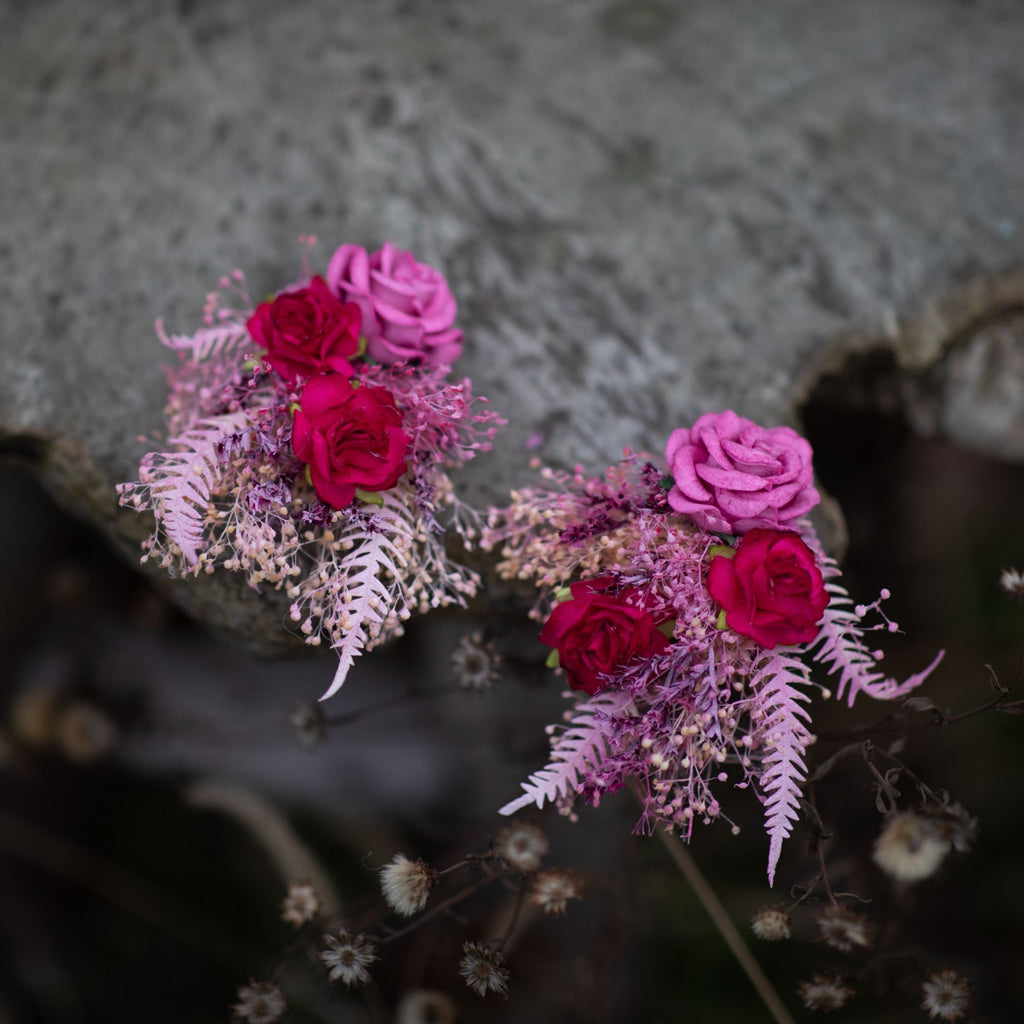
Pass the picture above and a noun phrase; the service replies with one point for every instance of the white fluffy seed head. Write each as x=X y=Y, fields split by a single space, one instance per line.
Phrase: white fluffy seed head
x=483 y=969
x=521 y=845
x=824 y=992
x=300 y=905
x=843 y=929
x=406 y=884
x=770 y=924
x=945 y=996
x=347 y=957
x=553 y=889
x=259 y=1002
x=910 y=847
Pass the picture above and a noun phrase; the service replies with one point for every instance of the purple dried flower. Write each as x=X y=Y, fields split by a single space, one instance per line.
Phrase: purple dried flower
x=714 y=707
x=267 y=495
x=228 y=467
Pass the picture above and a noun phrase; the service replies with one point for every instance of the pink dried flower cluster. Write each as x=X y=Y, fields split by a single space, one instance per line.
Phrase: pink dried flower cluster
x=686 y=604
x=310 y=444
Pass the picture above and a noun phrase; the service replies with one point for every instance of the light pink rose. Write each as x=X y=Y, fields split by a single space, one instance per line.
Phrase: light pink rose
x=408 y=309
x=732 y=475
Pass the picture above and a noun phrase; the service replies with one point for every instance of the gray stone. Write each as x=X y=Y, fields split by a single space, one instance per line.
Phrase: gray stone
x=648 y=210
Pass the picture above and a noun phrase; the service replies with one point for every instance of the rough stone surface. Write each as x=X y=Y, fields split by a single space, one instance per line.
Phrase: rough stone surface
x=648 y=210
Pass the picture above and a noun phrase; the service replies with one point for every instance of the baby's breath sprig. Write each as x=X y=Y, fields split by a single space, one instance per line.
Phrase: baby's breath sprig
x=310 y=441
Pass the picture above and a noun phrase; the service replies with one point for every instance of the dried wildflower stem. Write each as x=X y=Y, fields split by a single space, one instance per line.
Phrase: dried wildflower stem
x=291 y=856
x=820 y=835
x=439 y=908
x=473 y=858
x=720 y=917
x=895 y=723
x=402 y=699
x=514 y=920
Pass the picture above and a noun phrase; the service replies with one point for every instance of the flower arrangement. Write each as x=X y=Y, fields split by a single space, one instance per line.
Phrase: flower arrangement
x=686 y=606
x=309 y=446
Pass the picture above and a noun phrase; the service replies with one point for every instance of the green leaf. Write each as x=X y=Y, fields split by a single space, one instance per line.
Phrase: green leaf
x=552 y=661
x=721 y=623
x=563 y=594
x=370 y=497
x=721 y=549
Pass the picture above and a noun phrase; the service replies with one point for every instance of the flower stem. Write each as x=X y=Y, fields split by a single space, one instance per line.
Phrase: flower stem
x=439 y=908
x=720 y=917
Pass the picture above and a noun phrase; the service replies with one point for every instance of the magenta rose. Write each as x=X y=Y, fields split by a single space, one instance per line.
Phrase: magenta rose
x=771 y=590
x=408 y=309
x=732 y=475
x=307 y=331
x=596 y=634
x=350 y=437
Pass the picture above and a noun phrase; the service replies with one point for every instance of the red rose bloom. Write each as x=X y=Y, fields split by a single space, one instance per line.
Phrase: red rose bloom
x=771 y=590
x=597 y=633
x=307 y=331
x=349 y=437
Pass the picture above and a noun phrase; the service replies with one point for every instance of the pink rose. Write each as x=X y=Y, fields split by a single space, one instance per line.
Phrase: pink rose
x=596 y=634
x=732 y=475
x=350 y=437
x=307 y=331
x=408 y=310
x=771 y=590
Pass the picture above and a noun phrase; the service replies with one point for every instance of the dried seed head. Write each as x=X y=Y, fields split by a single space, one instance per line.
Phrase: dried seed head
x=956 y=825
x=553 y=889
x=406 y=884
x=521 y=846
x=259 y=1002
x=1012 y=582
x=770 y=924
x=310 y=724
x=425 y=1006
x=33 y=715
x=946 y=997
x=483 y=969
x=85 y=733
x=824 y=992
x=475 y=662
x=843 y=929
x=347 y=957
x=301 y=904
x=910 y=847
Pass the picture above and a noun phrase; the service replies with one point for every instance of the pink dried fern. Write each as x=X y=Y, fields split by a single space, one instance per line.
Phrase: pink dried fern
x=716 y=708
x=576 y=751
x=779 y=730
x=228 y=489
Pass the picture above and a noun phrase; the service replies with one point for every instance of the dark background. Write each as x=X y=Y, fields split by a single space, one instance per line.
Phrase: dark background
x=121 y=902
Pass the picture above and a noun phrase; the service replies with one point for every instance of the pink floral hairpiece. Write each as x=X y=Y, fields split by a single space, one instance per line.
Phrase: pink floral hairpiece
x=309 y=444
x=687 y=608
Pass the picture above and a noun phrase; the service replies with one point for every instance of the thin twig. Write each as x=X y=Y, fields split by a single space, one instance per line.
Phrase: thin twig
x=520 y=897
x=820 y=835
x=894 y=723
x=720 y=917
x=358 y=714
x=439 y=908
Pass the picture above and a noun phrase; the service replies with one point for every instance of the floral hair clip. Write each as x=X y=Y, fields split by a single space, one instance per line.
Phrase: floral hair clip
x=309 y=444
x=687 y=608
